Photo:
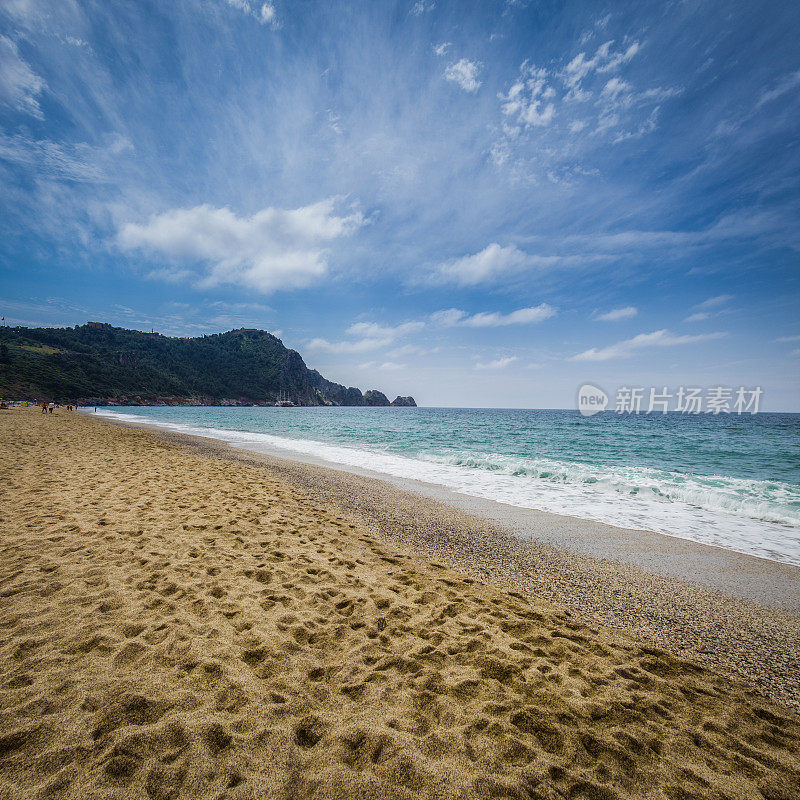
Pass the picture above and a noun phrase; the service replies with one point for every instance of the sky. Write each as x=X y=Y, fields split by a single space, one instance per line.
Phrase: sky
x=476 y=203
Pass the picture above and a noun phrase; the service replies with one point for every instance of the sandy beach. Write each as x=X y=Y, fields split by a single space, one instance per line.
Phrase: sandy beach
x=182 y=620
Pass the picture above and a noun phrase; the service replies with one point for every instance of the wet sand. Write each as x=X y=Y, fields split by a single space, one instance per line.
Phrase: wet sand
x=182 y=620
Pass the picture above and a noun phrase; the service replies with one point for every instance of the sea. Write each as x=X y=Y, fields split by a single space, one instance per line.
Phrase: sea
x=725 y=480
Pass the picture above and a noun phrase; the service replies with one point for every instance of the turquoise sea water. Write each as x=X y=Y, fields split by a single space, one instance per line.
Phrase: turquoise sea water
x=732 y=481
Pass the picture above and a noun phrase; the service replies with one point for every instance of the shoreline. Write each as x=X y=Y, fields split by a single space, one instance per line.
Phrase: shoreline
x=755 y=642
x=767 y=582
x=181 y=620
x=512 y=502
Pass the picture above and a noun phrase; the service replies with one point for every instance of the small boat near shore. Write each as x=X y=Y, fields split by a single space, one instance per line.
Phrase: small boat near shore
x=284 y=401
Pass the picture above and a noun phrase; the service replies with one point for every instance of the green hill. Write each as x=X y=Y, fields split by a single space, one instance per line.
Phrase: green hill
x=98 y=364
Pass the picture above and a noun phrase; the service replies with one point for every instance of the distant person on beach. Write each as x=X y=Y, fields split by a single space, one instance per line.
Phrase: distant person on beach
x=50 y=407
x=44 y=408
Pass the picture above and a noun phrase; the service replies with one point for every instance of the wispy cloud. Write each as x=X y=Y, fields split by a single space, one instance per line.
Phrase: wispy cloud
x=788 y=339
x=628 y=347
x=422 y=7
x=564 y=110
x=528 y=101
x=465 y=73
x=616 y=314
x=452 y=317
x=604 y=60
x=713 y=307
x=715 y=302
x=21 y=9
x=57 y=161
x=498 y=363
x=786 y=84
x=260 y=11
x=411 y=350
x=729 y=227
x=366 y=336
x=489 y=263
x=270 y=250
x=495 y=262
x=20 y=86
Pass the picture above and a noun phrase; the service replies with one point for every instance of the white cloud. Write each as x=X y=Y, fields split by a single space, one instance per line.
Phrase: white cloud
x=78 y=163
x=441 y=48
x=390 y=332
x=369 y=336
x=581 y=251
x=604 y=60
x=619 y=58
x=357 y=346
x=727 y=228
x=263 y=12
x=489 y=263
x=709 y=308
x=386 y=366
x=411 y=350
x=498 y=363
x=523 y=316
x=788 y=339
x=76 y=42
x=786 y=84
x=495 y=262
x=626 y=348
x=615 y=87
x=714 y=302
x=645 y=127
x=24 y=10
x=527 y=100
x=544 y=110
x=267 y=14
x=273 y=249
x=447 y=318
x=465 y=73
x=19 y=84
x=485 y=319
x=421 y=7
x=617 y=314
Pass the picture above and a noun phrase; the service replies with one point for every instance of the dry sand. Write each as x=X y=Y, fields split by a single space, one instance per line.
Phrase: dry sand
x=179 y=626
x=733 y=612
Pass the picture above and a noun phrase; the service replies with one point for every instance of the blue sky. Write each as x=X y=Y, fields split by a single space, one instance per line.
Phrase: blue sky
x=479 y=203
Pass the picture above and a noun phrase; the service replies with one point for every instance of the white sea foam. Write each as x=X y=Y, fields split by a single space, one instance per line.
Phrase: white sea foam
x=752 y=517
